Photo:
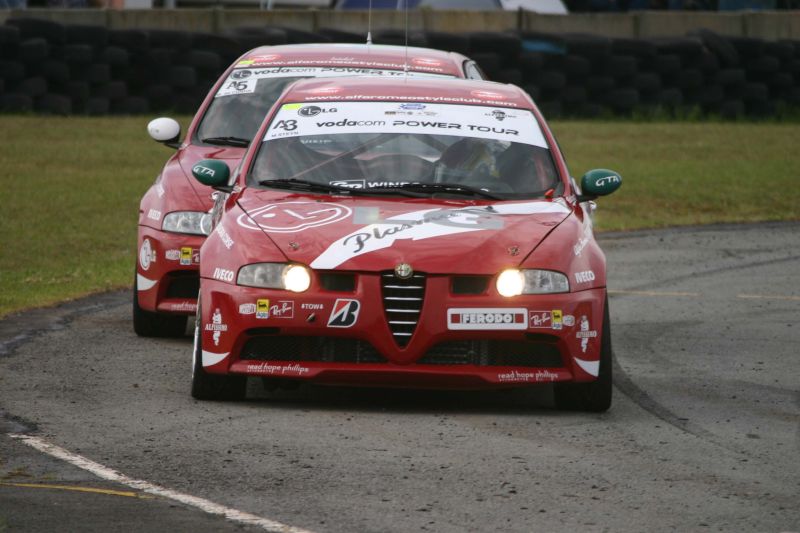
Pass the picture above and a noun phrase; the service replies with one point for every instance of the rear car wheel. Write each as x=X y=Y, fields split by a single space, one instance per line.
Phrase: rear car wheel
x=207 y=386
x=594 y=396
x=147 y=324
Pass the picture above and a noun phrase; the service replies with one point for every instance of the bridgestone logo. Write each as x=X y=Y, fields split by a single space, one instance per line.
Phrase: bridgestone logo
x=492 y=319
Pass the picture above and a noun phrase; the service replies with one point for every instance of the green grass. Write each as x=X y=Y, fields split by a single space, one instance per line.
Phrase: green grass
x=71 y=189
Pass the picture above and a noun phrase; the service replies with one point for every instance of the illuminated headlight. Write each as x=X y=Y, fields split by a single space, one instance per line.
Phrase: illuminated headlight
x=513 y=282
x=194 y=222
x=295 y=278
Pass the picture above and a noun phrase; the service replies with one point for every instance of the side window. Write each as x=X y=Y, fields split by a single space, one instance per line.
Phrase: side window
x=472 y=71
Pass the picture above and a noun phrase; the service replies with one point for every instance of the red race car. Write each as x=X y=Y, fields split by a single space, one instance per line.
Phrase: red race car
x=415 y=234
x=173 y=219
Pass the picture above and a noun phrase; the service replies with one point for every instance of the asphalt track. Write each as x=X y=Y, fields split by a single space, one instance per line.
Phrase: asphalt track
x=704 y=432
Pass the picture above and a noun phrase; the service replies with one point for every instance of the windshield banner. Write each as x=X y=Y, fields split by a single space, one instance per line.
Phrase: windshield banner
x=332 y=118
x=244 y=80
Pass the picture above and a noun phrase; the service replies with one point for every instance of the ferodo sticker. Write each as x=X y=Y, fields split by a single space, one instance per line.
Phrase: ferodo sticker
x=493 y=319
x=392 y=117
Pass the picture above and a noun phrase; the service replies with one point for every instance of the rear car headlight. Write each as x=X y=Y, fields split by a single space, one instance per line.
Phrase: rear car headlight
x=295 y=278
x=513 y=282
x=193 y=222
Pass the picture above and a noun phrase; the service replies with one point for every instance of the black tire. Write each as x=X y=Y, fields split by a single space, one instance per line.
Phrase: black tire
x=56 y=71
x=550 y=109
x=452 y=42
x=115 y=56
x=551 y=79
x=623 y=100
x=755 y=92
x=248 y=38
x=113 y=90
x=12 y=71
x=531 y=63
x=129 y=39
x=621 y=67
x=16 y=103
x=207 y=386
x=176 y=40
x=34 y=27
x=748 y=47
x=763 y=65
x=534 y=91
x=506 y=45
x=598 y=86
x=295 y=36
x=639 y=48
x=666 y=64
x=595 y=396
x=148 y=324
x=647 y=83
x=730 y=76
x=33 y=51
x=131 y=105
x=9 y=36
x=689 y=78
x=594 y=47
x=780 y=81
x=398 y=37
x=36 y=86
x=77 y=54
x=509 y=75
x=577 y=68
x=97 y=106
x=54 y=104
x=573 y=96
x=707 y=63
x=720 y=46
x=94 y=35
x=670 y=98
x=98 y=73
x=182 y=77
x=687 y=48
x=205 y=60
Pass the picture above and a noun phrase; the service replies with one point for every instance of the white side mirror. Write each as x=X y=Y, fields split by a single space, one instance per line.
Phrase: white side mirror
x=164 y=130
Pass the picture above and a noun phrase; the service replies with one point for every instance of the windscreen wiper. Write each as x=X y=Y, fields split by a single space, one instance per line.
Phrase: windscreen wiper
x=450 y=188
x=311 y=186
x=227 y=141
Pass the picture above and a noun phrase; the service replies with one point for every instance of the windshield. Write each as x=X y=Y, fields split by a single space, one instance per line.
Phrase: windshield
x=242 y=101
x=379 y=146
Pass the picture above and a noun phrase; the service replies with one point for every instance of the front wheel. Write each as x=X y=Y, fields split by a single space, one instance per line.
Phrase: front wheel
x=594 y=396
x=148 y=324
x=207 y=386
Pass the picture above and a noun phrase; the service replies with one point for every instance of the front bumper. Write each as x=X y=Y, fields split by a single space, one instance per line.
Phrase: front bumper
x=168 y=271
x=459 y=341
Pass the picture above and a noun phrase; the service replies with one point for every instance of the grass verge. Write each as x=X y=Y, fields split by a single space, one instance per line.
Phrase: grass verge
x=71 y=189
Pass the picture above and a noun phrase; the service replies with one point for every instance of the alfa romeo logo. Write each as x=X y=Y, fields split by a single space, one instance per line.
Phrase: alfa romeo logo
x=403 y=271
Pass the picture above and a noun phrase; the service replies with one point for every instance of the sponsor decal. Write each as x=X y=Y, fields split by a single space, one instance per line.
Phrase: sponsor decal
x=540 y=319
x=146 y=254
x=247 y=309
x=487 y=95
x=344 y=313
x=585 y=333
x=186 y=255
x=490 y=318
x=525 y=377
x=586 y=276
x=223 y=274
x=364 y=184
x=601 y=182
x=184 y=306
x=426 y=61
x=313 y=110
x=582 y=242
x=312 y=307
x=382 y=233
x=154 y=214
x=172 y=255
x=558 y=320
x=262 y=308
x=291 y=217
x=267 y=368
x=353 y=117
x=216 y=326
x=569 y=320
x=159 y=190
x=226 y=239
x=241 y=74
x=204 y=170
x=282 y=309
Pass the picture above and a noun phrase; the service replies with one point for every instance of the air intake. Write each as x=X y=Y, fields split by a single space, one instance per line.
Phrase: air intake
x=402 y=302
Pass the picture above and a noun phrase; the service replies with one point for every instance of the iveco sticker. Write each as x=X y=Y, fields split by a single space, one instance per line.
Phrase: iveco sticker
x=344 y=313
x=584 y=277
x=291 y=217
x=495 y=318
x=223 y=274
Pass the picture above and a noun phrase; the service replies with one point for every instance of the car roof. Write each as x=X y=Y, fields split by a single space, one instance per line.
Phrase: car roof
x=446 y=91
x=356 y=55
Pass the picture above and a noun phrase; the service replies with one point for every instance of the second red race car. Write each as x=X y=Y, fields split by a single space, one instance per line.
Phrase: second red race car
x=415 y=234
x=173 y=219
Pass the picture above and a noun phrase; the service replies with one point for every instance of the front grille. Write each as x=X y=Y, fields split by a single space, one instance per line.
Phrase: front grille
x=494 y=353
x=321 y=349
x=402 y=303
x=183 y=285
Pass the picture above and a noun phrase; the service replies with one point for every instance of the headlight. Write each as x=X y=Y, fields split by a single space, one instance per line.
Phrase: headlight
x=295 y=278
x=513 y=282
x=194 y=222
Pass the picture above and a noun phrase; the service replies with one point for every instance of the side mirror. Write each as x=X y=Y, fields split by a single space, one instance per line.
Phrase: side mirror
x=165 y=130
x=598 y=182
x=211 y=172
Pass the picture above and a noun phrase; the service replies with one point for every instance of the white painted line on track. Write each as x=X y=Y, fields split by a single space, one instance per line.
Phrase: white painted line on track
x=145 y=486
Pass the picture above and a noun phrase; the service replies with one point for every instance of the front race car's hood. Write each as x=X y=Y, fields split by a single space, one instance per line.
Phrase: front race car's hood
x=371 y=234
x=192 y=153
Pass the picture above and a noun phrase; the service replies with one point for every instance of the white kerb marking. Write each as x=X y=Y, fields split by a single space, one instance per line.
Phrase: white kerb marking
x=145 y=486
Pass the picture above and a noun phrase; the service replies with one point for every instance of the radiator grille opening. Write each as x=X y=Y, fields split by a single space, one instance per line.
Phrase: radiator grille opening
x=338 y=281
x=469 y=284
x=319 y=349
x=494 y=353
x=402 y=304
x=183 y=284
